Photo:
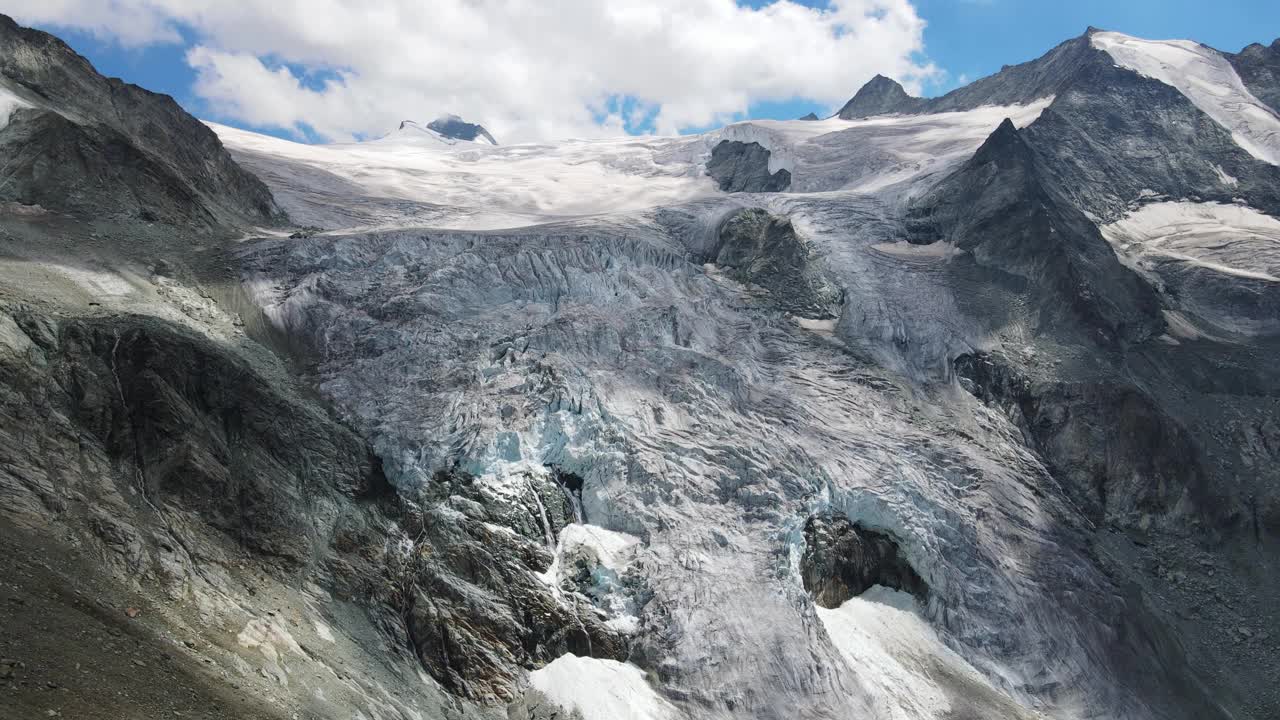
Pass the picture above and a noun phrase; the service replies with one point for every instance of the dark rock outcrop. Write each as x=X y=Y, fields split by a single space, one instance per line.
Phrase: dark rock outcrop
x=744 y=167
x=98 y=147
x=1259 y=67
x=1114 y=137
x=1122 y=459
x=1002 y=208
x=476 y=614
x=880 y=96
x=454 y=127
x=810 y=116
x=842 y=560
x=1014 y=84
x=764 y=250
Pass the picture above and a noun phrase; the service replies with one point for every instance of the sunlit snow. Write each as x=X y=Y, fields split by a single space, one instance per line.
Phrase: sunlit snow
x=1207 y=79
x=601 y=689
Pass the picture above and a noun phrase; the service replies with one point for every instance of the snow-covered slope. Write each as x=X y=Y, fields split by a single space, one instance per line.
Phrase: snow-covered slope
x=1208 y=80
x=1230 y=239
x=422 y=179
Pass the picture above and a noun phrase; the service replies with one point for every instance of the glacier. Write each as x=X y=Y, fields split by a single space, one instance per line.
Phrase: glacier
x=569 y=429
x=549 y=315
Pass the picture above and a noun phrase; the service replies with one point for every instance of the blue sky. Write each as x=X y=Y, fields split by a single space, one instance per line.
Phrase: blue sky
x=966 y=39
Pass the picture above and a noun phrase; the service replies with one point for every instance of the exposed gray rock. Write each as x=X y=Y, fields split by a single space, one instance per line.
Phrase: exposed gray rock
x=1003 y=209
x=1013 y=84
x=880 y=96
x=1259 y=67
x=810 y=116
x=763 y=250
x=744 y=167
x=1114 y=137
x=91 y=145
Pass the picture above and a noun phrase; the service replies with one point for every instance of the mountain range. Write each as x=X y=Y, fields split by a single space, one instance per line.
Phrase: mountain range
x=953 y=407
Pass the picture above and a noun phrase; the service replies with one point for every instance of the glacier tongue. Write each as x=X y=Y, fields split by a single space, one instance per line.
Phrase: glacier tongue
x=711 y=427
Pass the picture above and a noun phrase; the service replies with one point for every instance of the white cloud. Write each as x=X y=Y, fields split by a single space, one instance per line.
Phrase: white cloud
x=527 y=69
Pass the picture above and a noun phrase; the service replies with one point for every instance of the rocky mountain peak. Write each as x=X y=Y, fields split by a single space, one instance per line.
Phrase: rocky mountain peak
x=879 y=96
x=455 y=128
x=1004 y=147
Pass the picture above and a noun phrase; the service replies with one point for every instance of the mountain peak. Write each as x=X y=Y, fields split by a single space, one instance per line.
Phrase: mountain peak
x=455 y=128
x=1004 y=147
x=879 y=96
x=446 y=129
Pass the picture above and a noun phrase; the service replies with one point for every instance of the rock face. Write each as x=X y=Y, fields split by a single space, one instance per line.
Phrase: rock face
x=744 y=167
x=1013 y=85
x=1259 y=68
x=880 y=96
x=1006 y=211
x=842 y=560
x=452 y=126
x=763 y=250
x=84 y=144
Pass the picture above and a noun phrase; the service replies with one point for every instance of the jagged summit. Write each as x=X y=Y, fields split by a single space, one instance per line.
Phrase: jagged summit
x=1005 y=146
x=117 y=149
x=1259 y=68
x=448 y=129
x=1014 y=84
x=880 y=96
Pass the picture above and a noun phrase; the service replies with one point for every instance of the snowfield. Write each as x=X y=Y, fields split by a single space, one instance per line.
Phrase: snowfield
x=419 y=179
x=601 y=689
x=1231 y=239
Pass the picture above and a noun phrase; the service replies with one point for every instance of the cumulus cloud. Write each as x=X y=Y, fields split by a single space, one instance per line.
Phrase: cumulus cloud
x=527 y=69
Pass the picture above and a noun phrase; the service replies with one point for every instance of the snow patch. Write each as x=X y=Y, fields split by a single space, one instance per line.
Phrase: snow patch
x=601 y=689
x=938 y=250
x=96 y=282
x=613 y=553
x=896 y=655
x=9 y=103
x=1230 y=239
x=1207 y=79
x=1224 y=178
x=323 y=631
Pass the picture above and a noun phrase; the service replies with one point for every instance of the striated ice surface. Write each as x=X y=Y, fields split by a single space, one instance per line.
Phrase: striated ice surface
x=553 y=305
x=1221 y=261
x=1231 y=239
